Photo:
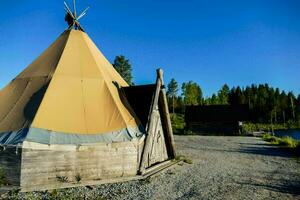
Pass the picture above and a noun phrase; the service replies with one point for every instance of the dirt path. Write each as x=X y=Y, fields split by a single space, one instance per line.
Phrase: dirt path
x=223 y=168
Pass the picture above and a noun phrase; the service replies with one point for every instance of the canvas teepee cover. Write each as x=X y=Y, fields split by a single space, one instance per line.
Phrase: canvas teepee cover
x=68 y=95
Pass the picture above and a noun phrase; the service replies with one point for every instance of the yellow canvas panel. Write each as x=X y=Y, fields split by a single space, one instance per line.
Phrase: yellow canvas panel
x=102 y=63
x=82 y=97
x=76 y=60
x=102 y=115
x=17 y=94
x=14 y=99
x=62 y=106
x=112 y=75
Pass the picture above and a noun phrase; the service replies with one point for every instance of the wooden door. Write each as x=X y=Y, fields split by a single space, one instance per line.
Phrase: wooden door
x=158 y=151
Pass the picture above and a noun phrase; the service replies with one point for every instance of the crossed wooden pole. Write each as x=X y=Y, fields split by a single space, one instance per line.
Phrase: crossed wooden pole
x=73 y=15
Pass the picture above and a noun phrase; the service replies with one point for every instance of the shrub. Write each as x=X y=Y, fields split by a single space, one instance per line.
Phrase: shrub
x=266 y=136
x=251 y=127
x=3 y=180
x=184 y=159
x=178 y=123
x=188 y=161
x=288 y=142
x=270 y=138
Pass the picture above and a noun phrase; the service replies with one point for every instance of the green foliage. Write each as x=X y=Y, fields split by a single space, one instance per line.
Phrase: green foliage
x=192 y=93
x=188 y=161
x=270 y=138
x=3 y=180
x=184 y=159
x=178 y=123
x=213 y=100
x=54 y=194
x=172 y=93
x=284 y=141
x=288 y=142
x=223 y=95
x=252 y=127
x=267 y=105
x=123 y=67
x=172 y=88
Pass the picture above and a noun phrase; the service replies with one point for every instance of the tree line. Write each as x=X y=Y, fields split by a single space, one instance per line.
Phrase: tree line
x=266 y=104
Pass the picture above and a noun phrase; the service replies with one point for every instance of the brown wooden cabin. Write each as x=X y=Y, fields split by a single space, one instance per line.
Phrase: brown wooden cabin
x=219 y=119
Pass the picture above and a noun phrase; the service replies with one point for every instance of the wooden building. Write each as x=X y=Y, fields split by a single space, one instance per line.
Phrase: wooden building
x=219 y=119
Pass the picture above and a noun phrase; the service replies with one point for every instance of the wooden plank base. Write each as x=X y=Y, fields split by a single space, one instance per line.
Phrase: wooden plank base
x=155 y=170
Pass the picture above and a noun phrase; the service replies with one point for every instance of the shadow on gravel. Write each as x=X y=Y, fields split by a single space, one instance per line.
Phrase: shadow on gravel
x=264 y=150
x=292 y=187
x=257 y=149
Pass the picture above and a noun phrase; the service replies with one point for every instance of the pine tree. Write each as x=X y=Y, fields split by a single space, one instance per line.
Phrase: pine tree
x=123 y=67
x=223 y=95
x=172 y=92
x=214 y=100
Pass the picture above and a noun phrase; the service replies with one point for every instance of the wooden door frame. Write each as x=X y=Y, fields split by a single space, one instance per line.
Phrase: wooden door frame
x=159 y=99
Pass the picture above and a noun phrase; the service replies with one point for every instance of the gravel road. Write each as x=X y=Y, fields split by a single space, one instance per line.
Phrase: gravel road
x=223 y=168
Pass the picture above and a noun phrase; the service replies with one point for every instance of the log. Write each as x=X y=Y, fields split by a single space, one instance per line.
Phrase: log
x=166 y=117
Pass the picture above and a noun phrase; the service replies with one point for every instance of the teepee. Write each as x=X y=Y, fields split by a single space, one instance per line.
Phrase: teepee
x=70 y=118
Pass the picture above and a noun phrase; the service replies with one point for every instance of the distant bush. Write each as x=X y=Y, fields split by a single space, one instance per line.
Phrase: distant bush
x=251 y=127
x=178 y=123
x=287 y=142
x=270 y=138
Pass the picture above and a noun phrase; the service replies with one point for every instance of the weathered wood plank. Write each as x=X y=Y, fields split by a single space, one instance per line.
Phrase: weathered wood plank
x=40 y=167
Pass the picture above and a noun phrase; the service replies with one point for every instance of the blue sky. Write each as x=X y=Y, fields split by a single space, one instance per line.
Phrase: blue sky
x=209 y=42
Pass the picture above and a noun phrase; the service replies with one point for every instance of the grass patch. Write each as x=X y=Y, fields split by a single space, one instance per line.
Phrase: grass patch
x=146 y=180
x=188 y=161
x=286 y=142
x=184 y=159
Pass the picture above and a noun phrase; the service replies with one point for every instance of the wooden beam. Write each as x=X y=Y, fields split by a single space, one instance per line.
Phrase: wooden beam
x=166 y=117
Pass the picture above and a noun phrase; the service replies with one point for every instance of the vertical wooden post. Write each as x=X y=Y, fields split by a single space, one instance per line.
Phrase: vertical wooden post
x=166 y=115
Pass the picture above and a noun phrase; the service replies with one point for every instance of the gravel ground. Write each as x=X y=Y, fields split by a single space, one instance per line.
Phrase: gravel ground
x=223 y=168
